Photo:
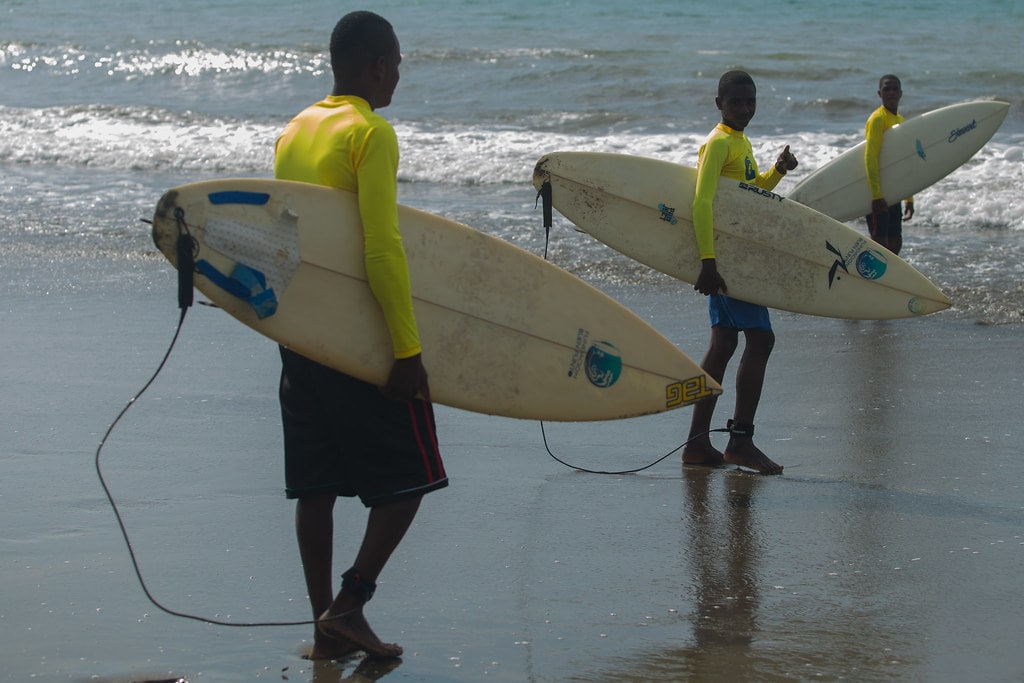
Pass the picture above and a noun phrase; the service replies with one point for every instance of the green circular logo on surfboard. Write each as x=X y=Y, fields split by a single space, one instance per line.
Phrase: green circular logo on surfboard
x=871 y=264
x=603 y=364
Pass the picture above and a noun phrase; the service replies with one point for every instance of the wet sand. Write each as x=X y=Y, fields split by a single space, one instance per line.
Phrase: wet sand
x=890 y=549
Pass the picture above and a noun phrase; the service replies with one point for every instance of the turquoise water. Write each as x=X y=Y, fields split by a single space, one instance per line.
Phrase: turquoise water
x=571 y=67
x=119 y=100
x=606 y=74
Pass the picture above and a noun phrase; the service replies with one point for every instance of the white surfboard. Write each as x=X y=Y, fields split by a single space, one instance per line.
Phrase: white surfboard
x=503 y=331
x=770 y=250
x=915 y=154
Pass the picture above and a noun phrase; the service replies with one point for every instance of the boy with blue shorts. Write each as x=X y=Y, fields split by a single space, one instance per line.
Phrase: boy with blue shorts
x=727 y=152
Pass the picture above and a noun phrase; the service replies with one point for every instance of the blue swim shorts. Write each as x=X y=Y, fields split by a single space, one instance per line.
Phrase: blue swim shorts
x=729 y=312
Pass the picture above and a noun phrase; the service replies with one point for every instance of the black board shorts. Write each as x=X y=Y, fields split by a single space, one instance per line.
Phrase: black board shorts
x=888 y=224
x=343 y=436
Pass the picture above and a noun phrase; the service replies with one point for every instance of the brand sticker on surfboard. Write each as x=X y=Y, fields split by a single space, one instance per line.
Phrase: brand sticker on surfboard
x=599 y=361
x=869 y=263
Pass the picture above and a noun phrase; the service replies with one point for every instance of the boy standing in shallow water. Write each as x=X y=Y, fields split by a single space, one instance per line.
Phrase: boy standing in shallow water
x=727 y=152
x=885 y=223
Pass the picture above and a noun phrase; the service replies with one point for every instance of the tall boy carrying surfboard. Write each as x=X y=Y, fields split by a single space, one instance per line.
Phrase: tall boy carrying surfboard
x=345 y=437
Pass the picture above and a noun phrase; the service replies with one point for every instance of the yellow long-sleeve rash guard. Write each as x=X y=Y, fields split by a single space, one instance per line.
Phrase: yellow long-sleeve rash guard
x=880 y=121
x=340 y=142
x=728 y=153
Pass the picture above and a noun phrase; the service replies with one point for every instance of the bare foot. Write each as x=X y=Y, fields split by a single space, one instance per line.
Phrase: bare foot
x=742 y=452
x=351 y=626
x=329 y=647
x=702 y=453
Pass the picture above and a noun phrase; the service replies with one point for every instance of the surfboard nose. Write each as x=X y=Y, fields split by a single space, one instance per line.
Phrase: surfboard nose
x=925 y=306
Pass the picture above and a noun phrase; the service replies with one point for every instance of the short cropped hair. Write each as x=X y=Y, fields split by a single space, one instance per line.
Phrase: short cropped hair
x=359 y=38
x=731 y=78
x=887 y=77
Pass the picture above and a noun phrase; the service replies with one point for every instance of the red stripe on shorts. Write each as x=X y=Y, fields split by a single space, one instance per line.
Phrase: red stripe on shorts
x=428 y=451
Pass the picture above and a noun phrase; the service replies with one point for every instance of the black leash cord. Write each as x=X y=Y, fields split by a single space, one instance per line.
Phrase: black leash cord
x=124 y=531
x=632 y=471
x=544 y=197
x=185 y=252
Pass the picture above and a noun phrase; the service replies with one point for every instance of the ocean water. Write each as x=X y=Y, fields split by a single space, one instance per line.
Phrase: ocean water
x=105 y=104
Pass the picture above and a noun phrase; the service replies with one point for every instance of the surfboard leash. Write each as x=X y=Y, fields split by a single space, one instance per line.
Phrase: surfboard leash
x=186 y=249
x=544 y=196
x=681 y=446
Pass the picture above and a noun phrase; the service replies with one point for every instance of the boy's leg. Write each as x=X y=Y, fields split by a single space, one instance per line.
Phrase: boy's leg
x=698 y=450
x=741 y=450
x=750 y=373
x=886 y=228
x=385 y=529
x=314 y=529
x=896 y=228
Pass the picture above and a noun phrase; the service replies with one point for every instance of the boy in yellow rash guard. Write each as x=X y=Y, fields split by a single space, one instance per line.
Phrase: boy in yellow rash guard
x=343 y=436
x=341 y=142
x=885 y=223
x=727 y=152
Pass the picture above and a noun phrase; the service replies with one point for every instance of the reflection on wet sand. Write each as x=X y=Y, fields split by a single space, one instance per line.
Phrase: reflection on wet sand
x=724 y=546
x=873 y=366
x=356 y=669
x=360 y=670
x=723 y=560
x=721 y=578
x=741 y=625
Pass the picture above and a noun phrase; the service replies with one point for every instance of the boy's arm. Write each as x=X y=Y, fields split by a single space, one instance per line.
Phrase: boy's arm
x=785 y=163
x=709 y=168
x=387 y=269
x=873 y=132
x=908 y=209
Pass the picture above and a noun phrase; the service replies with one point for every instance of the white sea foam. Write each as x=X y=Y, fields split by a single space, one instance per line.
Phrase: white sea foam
x=982 y=192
